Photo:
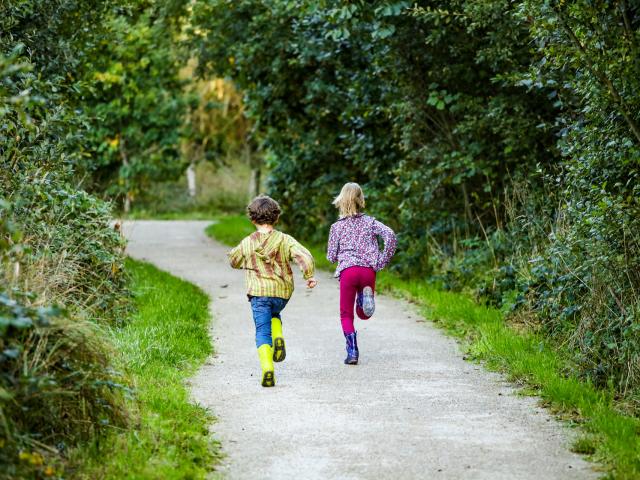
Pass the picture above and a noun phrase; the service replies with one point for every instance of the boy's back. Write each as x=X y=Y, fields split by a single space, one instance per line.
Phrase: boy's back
x=265 y=256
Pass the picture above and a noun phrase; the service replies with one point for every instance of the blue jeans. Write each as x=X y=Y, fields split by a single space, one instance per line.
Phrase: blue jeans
x=264 y=309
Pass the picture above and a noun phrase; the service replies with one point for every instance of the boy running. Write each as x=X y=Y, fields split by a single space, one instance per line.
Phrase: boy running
x=265 y=256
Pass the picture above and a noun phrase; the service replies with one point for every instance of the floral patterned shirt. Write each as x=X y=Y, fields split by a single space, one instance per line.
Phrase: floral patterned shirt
x=353 y=241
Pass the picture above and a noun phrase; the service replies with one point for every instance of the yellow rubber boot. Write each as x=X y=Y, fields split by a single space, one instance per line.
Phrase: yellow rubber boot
x=279 y=351
x=266 y=362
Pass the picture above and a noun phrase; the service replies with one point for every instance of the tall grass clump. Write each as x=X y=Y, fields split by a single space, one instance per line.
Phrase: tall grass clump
x=58 y=387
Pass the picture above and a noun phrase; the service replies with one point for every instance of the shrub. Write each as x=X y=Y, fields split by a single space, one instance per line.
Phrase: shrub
x=56 y=387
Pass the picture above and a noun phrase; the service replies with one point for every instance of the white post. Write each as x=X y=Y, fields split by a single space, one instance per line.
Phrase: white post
x=191 y=179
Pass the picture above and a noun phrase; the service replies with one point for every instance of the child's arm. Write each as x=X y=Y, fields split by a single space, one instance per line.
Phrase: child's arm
x=304 y=259
x=332 y=247
x=236 y=257
x=390 y=241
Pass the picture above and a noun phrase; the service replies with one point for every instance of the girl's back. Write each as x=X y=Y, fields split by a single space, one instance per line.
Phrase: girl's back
x=353 y=241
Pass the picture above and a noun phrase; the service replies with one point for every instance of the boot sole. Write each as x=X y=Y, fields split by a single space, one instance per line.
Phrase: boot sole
x=279 y=351
x=351 y=362
x=268 y=379
x=368 y=301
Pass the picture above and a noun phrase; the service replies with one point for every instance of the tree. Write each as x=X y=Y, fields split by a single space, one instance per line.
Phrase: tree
x=137 y=104
x=216 y=127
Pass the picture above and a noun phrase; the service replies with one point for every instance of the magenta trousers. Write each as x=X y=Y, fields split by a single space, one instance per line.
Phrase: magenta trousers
x=352 y=281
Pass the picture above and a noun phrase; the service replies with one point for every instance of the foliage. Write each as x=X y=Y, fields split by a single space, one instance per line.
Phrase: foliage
x=499 y=140
x=54 y=389
x=161 y=346
x=58 y=385
x=586 y=283
x=217 y=128
x=91 y=97
x=135 y=102
x=334 y=100
x=74 y=255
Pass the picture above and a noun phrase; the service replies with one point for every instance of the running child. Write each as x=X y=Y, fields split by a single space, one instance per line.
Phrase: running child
x=265 y=256
x=353 y=243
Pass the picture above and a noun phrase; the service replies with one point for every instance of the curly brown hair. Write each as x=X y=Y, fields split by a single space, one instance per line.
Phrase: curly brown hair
x=264 y=210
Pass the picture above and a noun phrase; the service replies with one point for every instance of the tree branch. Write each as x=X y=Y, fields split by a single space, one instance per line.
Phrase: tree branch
x=603 y=79
x=627 y=25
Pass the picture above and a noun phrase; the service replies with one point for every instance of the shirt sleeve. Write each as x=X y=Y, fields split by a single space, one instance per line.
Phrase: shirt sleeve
x=302 y=257
x=332 y=246
x=236 y=257
x=390 y=242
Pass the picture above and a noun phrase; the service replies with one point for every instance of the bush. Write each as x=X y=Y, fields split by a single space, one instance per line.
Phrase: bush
x=57 y=383
x=56 y=387
x=74 y=254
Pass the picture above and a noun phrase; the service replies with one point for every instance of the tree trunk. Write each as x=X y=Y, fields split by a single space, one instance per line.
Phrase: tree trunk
x=467 y=209
x=191 y=179
x=125 y=163
x=254 y=182
x=255 y=163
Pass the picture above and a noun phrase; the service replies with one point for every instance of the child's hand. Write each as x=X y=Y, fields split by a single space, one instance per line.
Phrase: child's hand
x=312 y=282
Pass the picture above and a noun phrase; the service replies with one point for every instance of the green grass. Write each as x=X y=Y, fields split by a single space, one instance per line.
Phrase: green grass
x=230 y=229
x=529 y=359
x=161 y=346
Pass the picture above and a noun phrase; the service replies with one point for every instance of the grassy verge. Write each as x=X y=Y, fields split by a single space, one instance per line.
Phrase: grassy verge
x=230 y=229
x=161 y=346
x=606 y=434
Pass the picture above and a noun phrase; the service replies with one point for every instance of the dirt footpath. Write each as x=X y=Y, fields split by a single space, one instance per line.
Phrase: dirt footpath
x=412 y=409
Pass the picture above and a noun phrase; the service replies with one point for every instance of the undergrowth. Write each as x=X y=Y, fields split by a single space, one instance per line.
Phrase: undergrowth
x=61 y=287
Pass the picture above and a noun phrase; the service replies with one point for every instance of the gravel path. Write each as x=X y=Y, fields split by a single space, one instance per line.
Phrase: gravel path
x=412 y=409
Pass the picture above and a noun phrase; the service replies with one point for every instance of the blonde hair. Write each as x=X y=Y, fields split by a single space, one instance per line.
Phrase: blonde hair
x=350 y=202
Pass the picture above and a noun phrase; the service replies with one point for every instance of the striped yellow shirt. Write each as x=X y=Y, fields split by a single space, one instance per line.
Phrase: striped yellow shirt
x=266 y=259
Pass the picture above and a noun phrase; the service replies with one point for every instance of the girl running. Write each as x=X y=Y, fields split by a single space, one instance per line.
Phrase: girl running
x=353 y=243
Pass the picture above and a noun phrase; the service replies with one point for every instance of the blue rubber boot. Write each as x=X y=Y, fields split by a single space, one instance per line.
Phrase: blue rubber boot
x=352 y=349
